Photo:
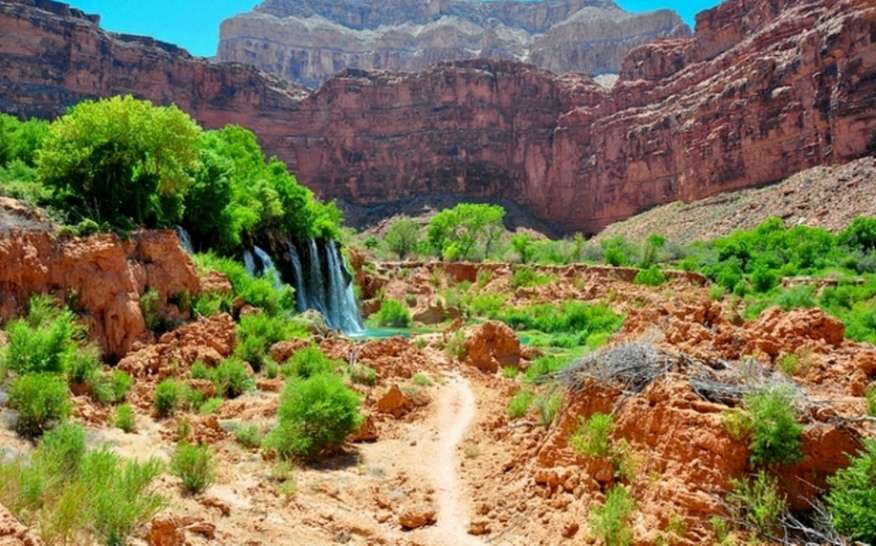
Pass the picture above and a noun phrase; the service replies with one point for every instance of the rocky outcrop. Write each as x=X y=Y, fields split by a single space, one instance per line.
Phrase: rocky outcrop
x=763 y=90
x=491 y=346
x=100 y=277
x=309 y=41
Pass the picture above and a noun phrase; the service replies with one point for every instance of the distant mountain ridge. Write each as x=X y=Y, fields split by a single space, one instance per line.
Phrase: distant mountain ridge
x=308 y=41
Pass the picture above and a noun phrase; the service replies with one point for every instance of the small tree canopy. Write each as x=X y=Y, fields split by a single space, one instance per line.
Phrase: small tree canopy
x=460 y=229
x=402 y=237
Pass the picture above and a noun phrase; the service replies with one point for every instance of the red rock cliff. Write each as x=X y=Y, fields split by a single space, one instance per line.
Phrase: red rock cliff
x=764 y=89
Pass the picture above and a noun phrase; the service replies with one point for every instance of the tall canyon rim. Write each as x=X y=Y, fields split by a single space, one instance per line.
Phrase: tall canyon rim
x=764 y=89
x=308 y=41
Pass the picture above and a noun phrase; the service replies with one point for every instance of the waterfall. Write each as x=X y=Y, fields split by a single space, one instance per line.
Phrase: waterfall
x=185 y=240
x=298 y=272
x=267 y=264
x=342 y=295
x=316 y=286
x=249 y=263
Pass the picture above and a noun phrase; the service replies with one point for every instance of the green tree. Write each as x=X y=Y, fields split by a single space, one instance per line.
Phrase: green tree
x=121 y=160
x=402 y=236
x=464 y=227
x=523 y=245
x=19 y=140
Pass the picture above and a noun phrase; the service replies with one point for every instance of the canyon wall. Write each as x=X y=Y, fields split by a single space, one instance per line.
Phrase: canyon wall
x=309 y=41
x=764 y=89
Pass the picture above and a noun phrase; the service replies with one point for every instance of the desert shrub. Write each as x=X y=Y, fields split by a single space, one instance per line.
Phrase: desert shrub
x=860 y=234
x=775 y=432
x=757 y=502
x=789 y=364
x=523 y=245
x=194 y=466
x=256 y=334
x=199 y=370
x=393 y=314
x=44 y=340
x=852 y=496
x=83 y=365
x=308 y=362
x=168 y=396
x=124 y=418
x=525 y=277
x=485 y=304
x=763 y=279
x=616 y=251
x=362 y=374
x=593 y=437
x=314 y=413
x=210 y=406
x=40 y=399
x=231 y=378
x=62 y=449
x=652 y=276
x=547 y=406
x=611 y=521
x=119 y=495
x=111 y=388
x=737 y=423
x=510 y=372
x=455 y=346
x=545 y=365
x=650 y=251
x=519 y=404
x=249 y=436
x=716 y=292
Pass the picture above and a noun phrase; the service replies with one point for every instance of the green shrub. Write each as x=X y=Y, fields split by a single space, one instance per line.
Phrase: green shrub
x=525 y=277
x=41 y=400
x=789 y=364
x=615 y=251
x=362 y=374
x=194 y=466
x=716 y=292
x=459 y=232
x=125 y=418
x=119 y=497
x=651 y=276
x=44 y=340
x=249 y=436
x=308 y=362
x=210 y=406
x=167 y=397
x=455 y=346
x=571 y=317
x=510 y=372
x=852 y=496
x=519 y=404
x=112 y=388
x=314 y=413
x=83 y=365
x=545 y=365
x=611 y=521
x=199 y=370
x=421 y=380
x=393 y=314
x=547 y=407
x=258 y=332
x=757 y=502
x=593 y=437
x=259 y=292
x=402 y=237
x=775 y=432
x=737 y=423
x=231 y=378
x=62 y=449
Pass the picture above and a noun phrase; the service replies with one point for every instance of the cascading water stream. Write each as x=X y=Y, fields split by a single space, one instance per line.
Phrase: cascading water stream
x=267 y=264
x=316 y=285
x=249 y=263
x=185 y=240
x=342 y=295
x=298 y=271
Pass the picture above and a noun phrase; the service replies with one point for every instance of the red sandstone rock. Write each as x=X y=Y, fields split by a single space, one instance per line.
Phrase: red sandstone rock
x=395 y=402
x=765 y=89
x=13 y=532
x=283 y=350
x=491 y=346
x=416 y=518
x=103 y=274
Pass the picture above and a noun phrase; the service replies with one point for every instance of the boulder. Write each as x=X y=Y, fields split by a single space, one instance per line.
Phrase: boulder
x=491 y=346
x=415 y=518
x=395 y=402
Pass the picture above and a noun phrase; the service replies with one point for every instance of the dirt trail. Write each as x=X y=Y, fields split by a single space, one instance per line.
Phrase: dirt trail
x=455 y=412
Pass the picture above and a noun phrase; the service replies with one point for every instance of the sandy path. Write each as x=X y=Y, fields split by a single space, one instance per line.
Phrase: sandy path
x=455 y=412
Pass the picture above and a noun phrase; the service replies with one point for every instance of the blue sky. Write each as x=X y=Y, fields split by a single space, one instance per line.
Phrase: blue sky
x=194 y=24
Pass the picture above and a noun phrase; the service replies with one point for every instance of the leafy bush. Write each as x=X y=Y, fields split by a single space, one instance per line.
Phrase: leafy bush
x=573 y=317
x=125 y=419
x=362 y=374
x=167 y=397
x=545 y=365
x=82 y=366
x=611 y=521
x=525 y=277
x=616 y=251
x=775 y=432
x=194 y=466
x=308 y=362
x=210 y=406
x=456 y=233
x=455 y=346
x=259 y=292
x=393 y=314
x=789 y=364
x=519 y=404
x=231 y=378
x=852 y=496
x=40 y=400
x=62 y=449
x=257 y=333
x=314 y=413
x=111 y=388
x=758 y=502
x=651 y=276
x=523 y=245
x=593 y=436
x=421 y=380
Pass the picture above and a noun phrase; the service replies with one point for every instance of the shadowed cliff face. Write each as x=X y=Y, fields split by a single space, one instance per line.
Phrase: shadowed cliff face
x=308 y=41
x=765 y=89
